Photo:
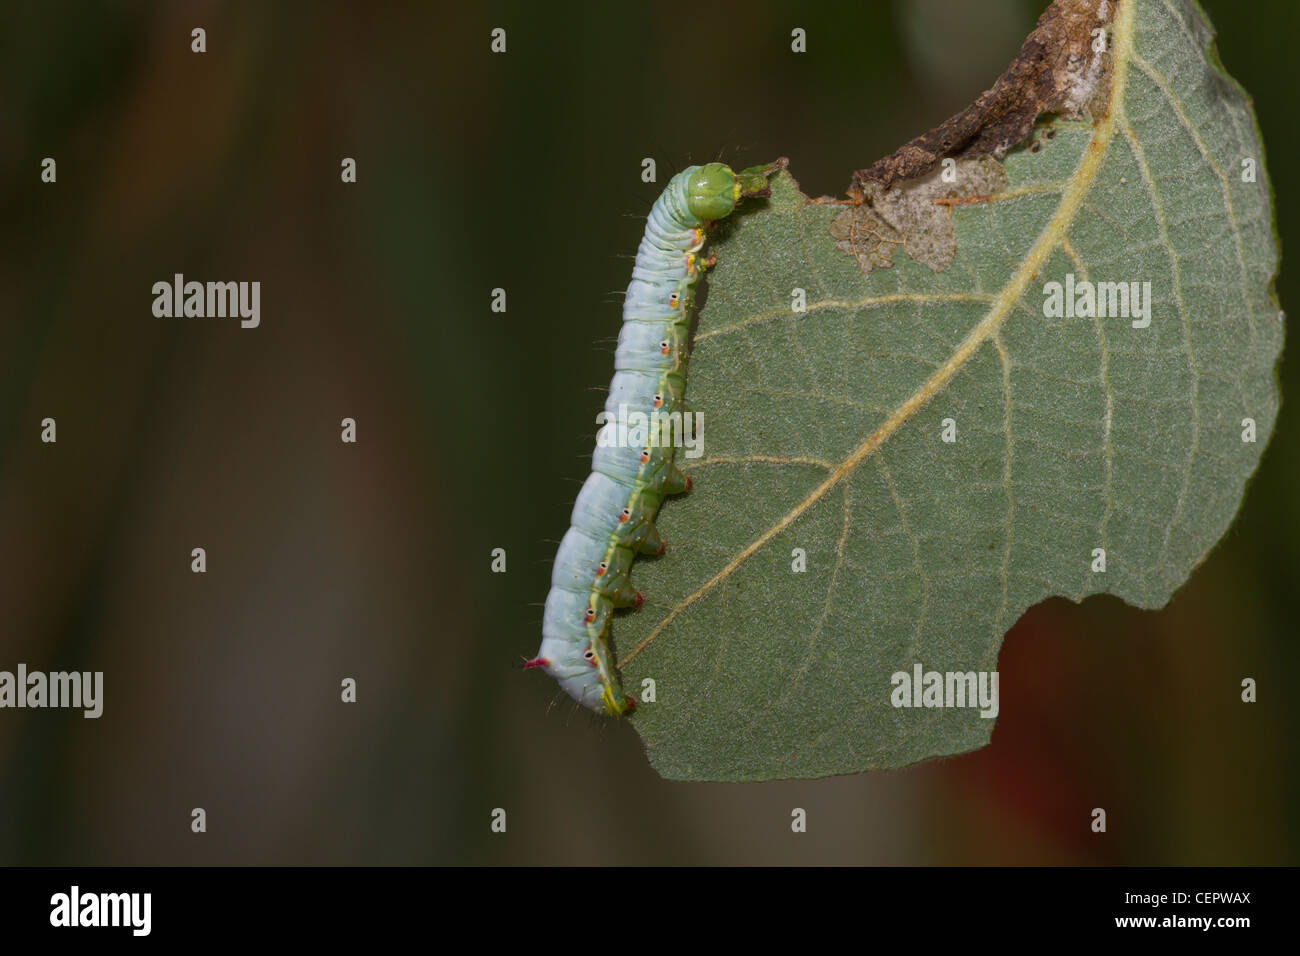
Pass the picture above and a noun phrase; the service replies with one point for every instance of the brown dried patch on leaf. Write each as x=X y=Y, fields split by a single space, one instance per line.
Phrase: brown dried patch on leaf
x=1057 y=71
x=914 y=215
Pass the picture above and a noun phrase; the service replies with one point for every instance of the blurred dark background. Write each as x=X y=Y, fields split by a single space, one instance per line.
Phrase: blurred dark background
x=371 y=560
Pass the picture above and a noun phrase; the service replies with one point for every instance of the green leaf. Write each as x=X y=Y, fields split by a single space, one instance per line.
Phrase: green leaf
x=823 y=429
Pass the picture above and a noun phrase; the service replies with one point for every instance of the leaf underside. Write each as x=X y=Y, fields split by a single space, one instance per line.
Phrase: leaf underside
x=822 y=429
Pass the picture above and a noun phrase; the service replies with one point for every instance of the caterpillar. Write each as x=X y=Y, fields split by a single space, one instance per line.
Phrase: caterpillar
x=613 y=518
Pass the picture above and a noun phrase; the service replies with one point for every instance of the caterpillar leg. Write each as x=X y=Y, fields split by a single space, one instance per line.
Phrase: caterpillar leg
x=627 y=596
x=652 y=543
x=676 y=483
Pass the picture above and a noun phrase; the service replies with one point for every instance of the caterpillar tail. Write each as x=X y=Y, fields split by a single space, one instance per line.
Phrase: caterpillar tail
x=616 y=701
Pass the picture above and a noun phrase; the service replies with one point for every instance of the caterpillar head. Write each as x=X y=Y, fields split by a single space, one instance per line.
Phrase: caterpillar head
x=712 y=192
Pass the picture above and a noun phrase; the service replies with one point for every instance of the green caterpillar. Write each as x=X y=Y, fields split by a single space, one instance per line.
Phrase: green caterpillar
x=614 y=515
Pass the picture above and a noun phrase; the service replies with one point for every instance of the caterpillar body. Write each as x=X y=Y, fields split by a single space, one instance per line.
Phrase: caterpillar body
x=613 y=518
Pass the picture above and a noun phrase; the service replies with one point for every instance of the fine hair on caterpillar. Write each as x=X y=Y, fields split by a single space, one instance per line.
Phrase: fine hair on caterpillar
x=644 y=423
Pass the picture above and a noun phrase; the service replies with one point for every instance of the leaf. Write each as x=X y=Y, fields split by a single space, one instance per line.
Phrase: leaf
x=822 y=429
